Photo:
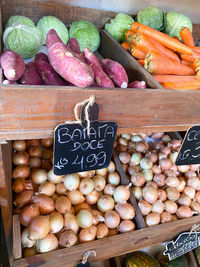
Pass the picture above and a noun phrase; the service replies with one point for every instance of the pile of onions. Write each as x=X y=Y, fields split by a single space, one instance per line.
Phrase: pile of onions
x=47 y=243
x=39 y=227
x=71 y=182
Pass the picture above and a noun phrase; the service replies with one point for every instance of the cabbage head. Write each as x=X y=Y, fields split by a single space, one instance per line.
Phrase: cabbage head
x=173 y=23
x=15 y=20
x=86 y=34
x=47 y=23
x=119 y=26
x=152 y=17
x=23 y=39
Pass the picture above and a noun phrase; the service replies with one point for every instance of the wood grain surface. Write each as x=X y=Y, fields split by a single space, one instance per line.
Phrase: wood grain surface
x=17 y=245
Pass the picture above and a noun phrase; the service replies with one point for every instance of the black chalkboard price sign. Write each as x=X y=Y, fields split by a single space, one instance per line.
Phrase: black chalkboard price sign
x=182 y=245
x=76 y=151
x=190 y=150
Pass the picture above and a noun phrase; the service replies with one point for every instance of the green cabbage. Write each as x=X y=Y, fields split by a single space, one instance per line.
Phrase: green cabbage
x=15 y=20
x=119 y=25
x=152 y=17
x=23 y=39
x=173 y=23
x=50 y=22
x=86 y=34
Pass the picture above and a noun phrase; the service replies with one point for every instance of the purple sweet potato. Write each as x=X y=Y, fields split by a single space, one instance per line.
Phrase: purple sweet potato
x=67 y=65
x=30 y=77
x=9 y=82
x=137 y=84
x=31 y=65
x=74 y=45
x=52 y=38
x=115 y=72
x=12 y=65
x=41 y=56
x=47 y=73
x=100 y=76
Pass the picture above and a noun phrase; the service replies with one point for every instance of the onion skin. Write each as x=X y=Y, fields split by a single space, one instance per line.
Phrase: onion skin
x=119 y=196
x=145 y=207
x=162 y=195
x=97 y=217
x=195 y=206
x=102 y=231
x=26 y=242
x=102 y=172
x=184 y=212
x=158 y=206
x=71 y=182
x=125 y=210
x=172 y=181
x=112 y=219
x=150 y=194
x=70 y=222
x=99 y=183
x=152 y=218
x=34 y=162
x=67 y=239
x=172 y=193
x=170 y=206
x=75 y=197
x=165 y=217
x=82 y=206
x=156 y=169
x=124 y=157
x=197 y=197
x=45 y=203
x=28 y=214
x=86 y=174
x=47 y=188
x=113 y=232
x=181 y=185
x=105 y=203
x=39 y=227
x=23 y=198
x=165 y=164
x=35 y=151
x=56 y=222
x=32 y=142
x=47 y=142
x=184 y=200
x=39 y=176
x=159 y=179
x=20 y=158
x=61 y=189
x=21 y=184
x=113 y=178
x=137 y=179
x=86 y=186
x=55 y=179
x=87 y=234
x=92 y=197
x=85 y=218
x=47 y=243
x=21 y=171
x=29 y=252
x=126 y=226
x=137 y=192
x=19 y=145
x=194 y=182
x=62 y=204
x=111 y=166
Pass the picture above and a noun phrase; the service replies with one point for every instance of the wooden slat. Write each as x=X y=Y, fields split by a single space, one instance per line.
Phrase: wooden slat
x=17 y=248
x=191 y=258
x=115 y=245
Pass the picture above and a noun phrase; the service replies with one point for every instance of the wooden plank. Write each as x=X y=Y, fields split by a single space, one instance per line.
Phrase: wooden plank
x=17 y=247
x=6 y=193
x=191 y=259
x=115 y=245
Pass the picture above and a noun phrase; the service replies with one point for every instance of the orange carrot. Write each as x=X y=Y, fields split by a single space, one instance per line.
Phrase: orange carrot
x=167 y=67
x=144 y=43
x=186 y=36
x=125 y=45
x=196 y=64
x=176 y=37
x=153 y=55
x=141 y=61
x=137 y=53
x=162 y=38
x=174 y=78
x=195 y=85
x=190 y=58
x=135 y=26
x=187 y=63
x=198 y=74
x=130 y=37
x=196 y=49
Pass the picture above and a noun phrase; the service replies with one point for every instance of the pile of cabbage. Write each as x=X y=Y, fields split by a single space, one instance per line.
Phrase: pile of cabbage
x=25 y=38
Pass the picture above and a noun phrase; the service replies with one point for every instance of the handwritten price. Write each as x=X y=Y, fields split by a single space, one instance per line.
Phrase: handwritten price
x=61 y=163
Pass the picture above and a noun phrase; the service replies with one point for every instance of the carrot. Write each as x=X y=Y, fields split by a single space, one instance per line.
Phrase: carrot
x=167 y=67
x=141 y=61
x=176 y=37
x=187 y=63
x=198 y=74
x=137 y=53
x=186 y=36
x=196 y=64
x=162 y=38
x=195 y=85
x=190 y=58
x=135 y=26
x=125 y=45
x=153 y=55
x=196 y=49
x=174 y=78
x=130 y=37
x=144 y=43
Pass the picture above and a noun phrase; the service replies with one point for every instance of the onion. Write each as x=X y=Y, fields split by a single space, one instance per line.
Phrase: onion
x=47 y=243
x=152 y=218
x=21 y=171
x=102 y=231
x=39 y=227
x=136 y=138
x=194 y=182
x=72 y=210
x=166 y=150
x=71 y=182
x=121 y=193
x=86 y=186
x=56 y=222
x=102 y=172
x=39 y=176
x=84 y=218
x=195 y=167
x=23 y=198
x=19 y=145
x=197 y=197
x=32 y=142
x=145 y=207
x=62 y=204
x=55 y=179
x=152 y=156
x=20 y=158
x=54 y=197
x=181 y=185
x=82 y=206
x=172 y=181
x=121 y=148
x=61 y=189
x=47 y=142
x=157 y=135
x=146 y=164
x=152 y=184
x=165 y=164
x=169 y=173
x=45 y=204
x=125 y=210
x=136 y=158
x=158 y=145
x=148 y=175
x=99 y=182
x=137 y=179
x=161 y=156
x=35 y=151
x=67 y=239
x=21 y=184
x=29 y=252
x=113 y=232
x=113 y=178
x=175 y=169
x=141 y=146
x=156 y=169
x=184 y=212
x=47 y=154
x=112 y=219
x=173 y=157
x=133 y=169
x=47 y=188
x=75 y=197
x=162 y=195
x=105 y=203
x=195 y=206
x=137 y=192
x=46 y=165
x=34 y=162
x=126 y=136
x=111 y=166
x=159 y=179
x=150 y=194
x=170 y=206
x=172 y=193
x=26 y=242
x=190 y=173
x=189 y=191
x=126 y=226
x=28 y=213
x=86 y=174
x=87 y=234
x=165 y=217
x=174 y=218
x=97 y=217
x=70 y=222
x=184 y=200
x=174 y=144
x=109 y=189
x=124 y=157
x=158 y=206
x=166 y=139
x=183 y=168
x=92 y=197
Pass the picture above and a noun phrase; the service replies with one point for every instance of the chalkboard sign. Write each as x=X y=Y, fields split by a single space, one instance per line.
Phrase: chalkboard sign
x=75 y=151
x=183 y=244
x=190 y=150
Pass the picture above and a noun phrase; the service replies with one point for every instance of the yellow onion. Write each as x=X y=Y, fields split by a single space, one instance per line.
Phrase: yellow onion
x=195 y=206
x=170 y=206
x=26 y=241
x=92 y=197
x=87 y=234
x=99 y=182
x=67 y=239
x=47 y=243
x=113 y=178
x=113 y=232
x=137 y=192
x=172 y=193
x=121 y=193
x=20 y=184
x=56 y=222
x=32 y=142
x=172 y=181
x=39 y=227
x=184 y=200
x=165 y=217
x=19 y=145
x=75 y=197
x=63 y=204
x=159 y=179
x=158 y=206
x=125 y=157
x=184 y=212
x=82 y=206
x=162 y=195
x=28 y=213
x=126 y=226
x=86 y=174
x=102 y=172
x=97 y=217
x=125 y=210
x=47 y=154
x=150 y=194
x=112 y=219
x=70 y=222
x=45 y=203
x=145 y=207
x=105 y=203
x=138 y=179
x=20 y=158
x=47 y=142
x=61 y=189
x=23 y=198
x=47 y=188
x=71 y=181
x=21 y=171
x=111 y=166
x=35 y=151
x=34 y=162
x=55 y=179
x=102 y=231
x=152 y=218
x=84 y=218
x=108 y=190
x=39 y=176
x=86 y=186
x=29 y=252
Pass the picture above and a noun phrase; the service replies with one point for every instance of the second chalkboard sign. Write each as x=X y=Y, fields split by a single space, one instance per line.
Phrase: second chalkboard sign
x=190 y=150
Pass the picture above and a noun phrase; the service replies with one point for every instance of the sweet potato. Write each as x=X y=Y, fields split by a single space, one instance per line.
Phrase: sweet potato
x=137 y=84
x=52 y=38
x=74 y=45
x=100 y=76
x=115 y=72
x=41 y=56
x=12 y=65
x=9 y=82
x=67 y=65
x=31 y=65
x=30 y=77
x=47 y=73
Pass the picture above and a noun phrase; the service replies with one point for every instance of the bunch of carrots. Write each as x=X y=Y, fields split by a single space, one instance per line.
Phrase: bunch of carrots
x=174 y=64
